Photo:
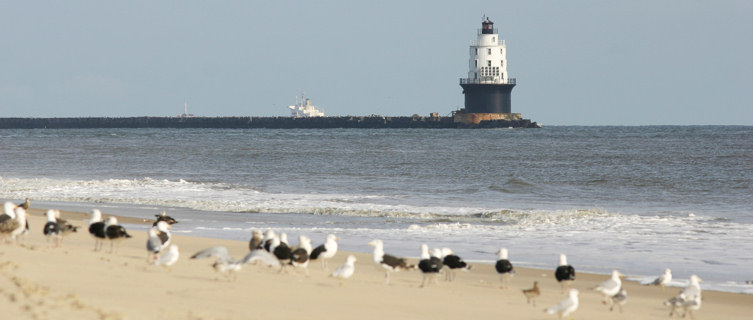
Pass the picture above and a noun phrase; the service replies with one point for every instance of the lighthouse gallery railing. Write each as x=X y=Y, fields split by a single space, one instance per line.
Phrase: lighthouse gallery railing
x=486 y=81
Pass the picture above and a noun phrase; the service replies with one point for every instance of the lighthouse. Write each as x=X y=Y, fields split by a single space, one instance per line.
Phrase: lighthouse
x=488 y=87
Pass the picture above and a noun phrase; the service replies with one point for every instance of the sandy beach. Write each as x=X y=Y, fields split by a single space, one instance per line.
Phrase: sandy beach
x=38 y=281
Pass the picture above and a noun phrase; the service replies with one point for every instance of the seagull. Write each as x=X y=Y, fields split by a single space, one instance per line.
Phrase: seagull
x=504 y=268
x=619 y=299
x=114 y=231
x=565 y=307
x=97 y=229
x=564 y=273
x=663 y=279
x=154 y=245
x=326 y=251
x=257 y=240
x=346 y=270
x=164 y=217
x=453 y=262
x=610 y=287
x=281 y=251
x=52 y=228
x=65 y=227
x=387 y=262
x=689 y=298
x=226 y=264
x=8 y=221
x=429 y=265
x=25 y=205
x=164 y=234
x=268 y=236
x=169 y=258
x=299 y=258
x=533 y=293
x=22 y=222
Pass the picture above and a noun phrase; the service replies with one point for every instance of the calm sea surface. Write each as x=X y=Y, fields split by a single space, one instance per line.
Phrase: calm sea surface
x=638 y=199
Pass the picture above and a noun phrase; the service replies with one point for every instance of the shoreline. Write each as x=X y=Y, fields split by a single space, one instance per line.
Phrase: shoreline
x=74 y=281
x=136 y=215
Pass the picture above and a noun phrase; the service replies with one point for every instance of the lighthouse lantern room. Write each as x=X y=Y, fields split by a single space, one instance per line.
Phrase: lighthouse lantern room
x=488 y=86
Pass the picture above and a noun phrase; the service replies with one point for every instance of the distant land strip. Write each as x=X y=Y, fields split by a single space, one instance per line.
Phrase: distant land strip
x=364 y=122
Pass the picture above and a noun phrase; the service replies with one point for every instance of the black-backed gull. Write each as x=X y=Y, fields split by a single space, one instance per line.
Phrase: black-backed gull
x=565 y=273
x=115 y=232
x=504 y=268
x=325 y=251
x=387 y=262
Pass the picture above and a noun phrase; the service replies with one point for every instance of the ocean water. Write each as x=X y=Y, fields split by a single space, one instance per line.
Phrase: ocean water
x=637 y=199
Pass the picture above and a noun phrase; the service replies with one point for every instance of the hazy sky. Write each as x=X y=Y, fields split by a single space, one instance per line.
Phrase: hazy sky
x=576 y=62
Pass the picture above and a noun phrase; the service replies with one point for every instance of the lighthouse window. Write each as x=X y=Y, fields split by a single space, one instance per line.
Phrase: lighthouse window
x=489 y=51
x=488 y=63
x=502 y=63
x=501 y=51
x=476 y=63
x=476 y=51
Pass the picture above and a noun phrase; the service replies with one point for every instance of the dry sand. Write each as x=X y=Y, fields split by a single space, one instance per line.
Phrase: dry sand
x=38 y=281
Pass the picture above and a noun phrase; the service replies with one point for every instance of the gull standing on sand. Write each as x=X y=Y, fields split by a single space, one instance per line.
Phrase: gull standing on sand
x=154 y=245
x=299 y=257
x=565 y=273
x=386 y=262
x=115 y=232
x=8 y=221
x=51 y=229
x=97 y=229
x=22 y=223
x=663 y=279
x=280 y=250
x=429 y=265
x=326 y=251
x=453 y=262
x=689 y=299
x=26 y=205
x=268 y=236
x=65 y=227
x=610 y=287
x=619 y=299
x=346 y=270
x=169 y=258
x=565 y=307
x=257 y=240
x=504 y=268
x=164 y=234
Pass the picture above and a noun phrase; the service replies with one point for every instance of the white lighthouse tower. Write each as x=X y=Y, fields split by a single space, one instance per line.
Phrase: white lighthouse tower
x=488 y=56
x=488 y=87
